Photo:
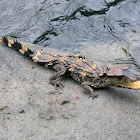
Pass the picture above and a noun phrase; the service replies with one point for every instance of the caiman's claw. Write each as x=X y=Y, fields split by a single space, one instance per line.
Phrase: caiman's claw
x=57 y=83
x=94 y=96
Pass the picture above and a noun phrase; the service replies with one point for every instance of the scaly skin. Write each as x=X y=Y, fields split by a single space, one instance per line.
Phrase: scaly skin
x=77 y=67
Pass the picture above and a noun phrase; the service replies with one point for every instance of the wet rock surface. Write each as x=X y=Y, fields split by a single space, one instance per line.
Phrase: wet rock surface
x=66 y=25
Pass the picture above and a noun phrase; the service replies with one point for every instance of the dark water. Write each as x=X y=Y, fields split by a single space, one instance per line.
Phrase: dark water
x=66 y=24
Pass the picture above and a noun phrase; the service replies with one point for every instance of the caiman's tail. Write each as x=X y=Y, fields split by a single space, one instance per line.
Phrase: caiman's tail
x=17 y=46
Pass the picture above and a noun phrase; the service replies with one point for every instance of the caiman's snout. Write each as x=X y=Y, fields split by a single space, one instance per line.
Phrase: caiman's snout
x=131 y=76
x=125 y=77
x=123 y=71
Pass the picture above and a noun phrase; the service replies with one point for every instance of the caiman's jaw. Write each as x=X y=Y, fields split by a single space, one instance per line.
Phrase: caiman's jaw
x=123 y=77
x=126 y=82
x=131 y=85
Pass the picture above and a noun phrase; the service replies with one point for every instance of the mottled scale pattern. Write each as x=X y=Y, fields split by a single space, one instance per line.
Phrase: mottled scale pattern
x=84 y=72
x=78 y=67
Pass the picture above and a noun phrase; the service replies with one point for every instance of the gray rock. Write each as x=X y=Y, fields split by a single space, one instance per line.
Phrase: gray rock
x=32 y=109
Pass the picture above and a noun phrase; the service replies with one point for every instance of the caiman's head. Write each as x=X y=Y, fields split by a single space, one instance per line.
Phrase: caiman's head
x=123 y=77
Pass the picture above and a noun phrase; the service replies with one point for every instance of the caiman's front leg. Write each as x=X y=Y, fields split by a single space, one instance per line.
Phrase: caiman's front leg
x=87 y=87
x=54 y=79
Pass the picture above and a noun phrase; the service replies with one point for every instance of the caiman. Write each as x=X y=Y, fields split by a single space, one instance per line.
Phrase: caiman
x=77 y=67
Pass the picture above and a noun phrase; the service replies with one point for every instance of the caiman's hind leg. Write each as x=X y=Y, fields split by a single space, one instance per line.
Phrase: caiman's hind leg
x=55 y=79
x=87 y=87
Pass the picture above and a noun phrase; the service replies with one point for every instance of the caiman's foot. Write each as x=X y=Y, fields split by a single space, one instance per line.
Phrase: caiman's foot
x=87 y=87
x=55 y=78
x=94 y=96
x=57 y=83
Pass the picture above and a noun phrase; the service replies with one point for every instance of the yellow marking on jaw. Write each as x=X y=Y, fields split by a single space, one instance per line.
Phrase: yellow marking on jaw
x=23 y=49
x=133 y=85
